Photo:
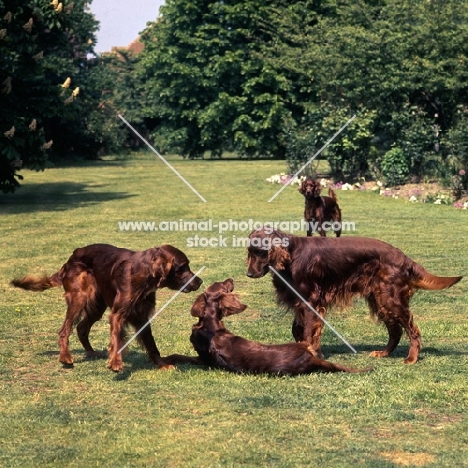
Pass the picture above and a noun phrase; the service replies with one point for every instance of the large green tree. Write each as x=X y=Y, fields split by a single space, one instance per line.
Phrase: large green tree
x=44 y=97
x=207 y=82
x=276 y=78
x=400 y=66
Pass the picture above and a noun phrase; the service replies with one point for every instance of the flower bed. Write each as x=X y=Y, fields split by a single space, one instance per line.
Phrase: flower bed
x=414 y=193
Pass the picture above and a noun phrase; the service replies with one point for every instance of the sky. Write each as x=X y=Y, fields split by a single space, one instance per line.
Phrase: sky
x=122 y=20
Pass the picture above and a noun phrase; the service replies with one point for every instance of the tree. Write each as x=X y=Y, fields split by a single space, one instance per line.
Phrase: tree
x=207 y=82
x=402 y=62
x=43 y=82
x=125 y=93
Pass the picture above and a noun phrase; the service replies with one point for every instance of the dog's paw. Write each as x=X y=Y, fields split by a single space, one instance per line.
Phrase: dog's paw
x=410 y=360
x=94 y=354
x=66 y=360
x=166 y=367
x=378 y=354
x=115 y=366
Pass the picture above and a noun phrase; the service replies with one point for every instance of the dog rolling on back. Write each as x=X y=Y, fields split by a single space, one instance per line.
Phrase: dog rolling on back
x=218 y=347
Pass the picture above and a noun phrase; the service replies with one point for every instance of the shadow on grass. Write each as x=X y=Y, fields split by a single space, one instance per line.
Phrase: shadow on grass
x=56 y=196
x=136 y=361
x=399 y=354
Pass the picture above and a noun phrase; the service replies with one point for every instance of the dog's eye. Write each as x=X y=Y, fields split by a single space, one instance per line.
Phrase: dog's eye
x=180 y=268
x=260 y=252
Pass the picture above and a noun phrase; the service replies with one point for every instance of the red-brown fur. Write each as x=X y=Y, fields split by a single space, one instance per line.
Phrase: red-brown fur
x=218 y=347
x=331 y=271
x=319 y=209
x=99 y=276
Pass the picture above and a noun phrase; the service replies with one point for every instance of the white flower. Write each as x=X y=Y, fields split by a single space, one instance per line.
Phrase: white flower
x=379 y=183
x=413 y=199
x=276 y=178
x=347 y=187
x=375 y=188
x=323 y=182
x=298 y=180
x=438 y=202
x=465 y=205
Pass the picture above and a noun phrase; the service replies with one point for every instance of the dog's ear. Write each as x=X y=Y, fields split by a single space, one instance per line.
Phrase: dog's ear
x=198 y=307
x=161 y=266
x=317 y=190
x=278 y=257
x=302 y=187
x=230 y=304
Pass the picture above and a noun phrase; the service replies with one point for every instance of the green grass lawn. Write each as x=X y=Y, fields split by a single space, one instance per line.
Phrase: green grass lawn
x=397 y=415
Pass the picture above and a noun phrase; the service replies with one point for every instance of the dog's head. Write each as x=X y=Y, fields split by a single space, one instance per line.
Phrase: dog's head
x=267 y=248
x=218 y=300
x=310 y=188
x=171 y=267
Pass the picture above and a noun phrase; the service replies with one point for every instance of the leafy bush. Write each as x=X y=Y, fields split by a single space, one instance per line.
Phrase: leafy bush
x=347 y=154
x=456 y=145
x=395 y=167
x=302 y=143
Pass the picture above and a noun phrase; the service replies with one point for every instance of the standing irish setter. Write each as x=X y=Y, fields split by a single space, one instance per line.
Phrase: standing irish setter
x=100 y=276
x=218 y=347
x=331 y=271
x=321 y=213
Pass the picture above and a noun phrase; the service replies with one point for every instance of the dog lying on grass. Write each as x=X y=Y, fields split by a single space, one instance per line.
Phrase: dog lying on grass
x=218 y=347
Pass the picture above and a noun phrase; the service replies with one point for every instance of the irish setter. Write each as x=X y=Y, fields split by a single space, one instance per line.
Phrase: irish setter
x=331 y=271
x=320 y=210
x=218 y=347
x=99 y=276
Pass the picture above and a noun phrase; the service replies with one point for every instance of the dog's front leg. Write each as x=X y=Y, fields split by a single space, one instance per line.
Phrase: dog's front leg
x=146 y=338
x=116 y=341
x=313 y=327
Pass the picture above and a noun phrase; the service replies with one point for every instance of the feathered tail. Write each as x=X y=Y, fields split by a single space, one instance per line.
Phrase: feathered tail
x=332 y=194
x=38 y=283
x=425 y=280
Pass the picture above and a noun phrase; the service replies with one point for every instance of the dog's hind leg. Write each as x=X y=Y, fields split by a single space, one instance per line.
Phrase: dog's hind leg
x=92 y=313
x=75 y=307
x=391 y=305
x=74 y=279
x=394 y=335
